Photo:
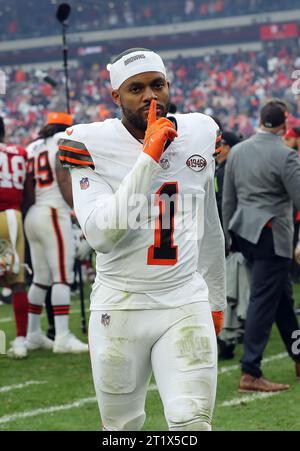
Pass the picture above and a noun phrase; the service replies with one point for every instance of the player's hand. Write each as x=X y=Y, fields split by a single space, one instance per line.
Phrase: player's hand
x=157 y=133
x=218 y=318
x=297 y=253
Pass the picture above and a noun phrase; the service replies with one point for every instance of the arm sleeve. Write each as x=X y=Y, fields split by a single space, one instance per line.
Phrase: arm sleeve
x=229 y=200
x=211 y=259
x=102 y=214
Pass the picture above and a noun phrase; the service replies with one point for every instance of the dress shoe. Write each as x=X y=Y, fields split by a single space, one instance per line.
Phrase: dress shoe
x=297 y=366
x=250 y=383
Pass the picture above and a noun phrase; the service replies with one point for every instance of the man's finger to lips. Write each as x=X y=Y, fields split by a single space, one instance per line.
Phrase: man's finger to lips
x=152 y=112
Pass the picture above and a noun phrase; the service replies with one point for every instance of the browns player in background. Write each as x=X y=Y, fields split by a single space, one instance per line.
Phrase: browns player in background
x=49 y=232
x=15 y=193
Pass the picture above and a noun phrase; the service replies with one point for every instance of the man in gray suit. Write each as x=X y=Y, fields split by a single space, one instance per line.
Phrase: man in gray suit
x=262 y=181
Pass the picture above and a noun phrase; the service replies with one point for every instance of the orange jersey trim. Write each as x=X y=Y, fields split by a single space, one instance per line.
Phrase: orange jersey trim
x=72 y=149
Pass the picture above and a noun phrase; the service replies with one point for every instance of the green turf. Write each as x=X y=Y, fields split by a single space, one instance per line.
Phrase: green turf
x=68 y=379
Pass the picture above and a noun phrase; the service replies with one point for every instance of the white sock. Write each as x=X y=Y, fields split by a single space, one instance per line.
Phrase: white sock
x=60 y=300
x=36 y=298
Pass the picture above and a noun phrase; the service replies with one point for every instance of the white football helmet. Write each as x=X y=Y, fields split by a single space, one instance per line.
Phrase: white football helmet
x=6 y=259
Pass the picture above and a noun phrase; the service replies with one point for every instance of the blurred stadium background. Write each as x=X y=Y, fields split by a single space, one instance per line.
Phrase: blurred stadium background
x=224 y=57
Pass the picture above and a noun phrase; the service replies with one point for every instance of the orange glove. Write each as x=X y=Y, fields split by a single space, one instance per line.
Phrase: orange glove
x=218 y=318
x=157 y=133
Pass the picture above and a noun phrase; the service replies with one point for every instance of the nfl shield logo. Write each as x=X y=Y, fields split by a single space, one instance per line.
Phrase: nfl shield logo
x=105 y=319
x=84 y=183
x=164 y=163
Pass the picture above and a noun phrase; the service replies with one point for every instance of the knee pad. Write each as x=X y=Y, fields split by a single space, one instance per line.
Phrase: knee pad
x=124 y=424
x=188 y=414
x=37 y=295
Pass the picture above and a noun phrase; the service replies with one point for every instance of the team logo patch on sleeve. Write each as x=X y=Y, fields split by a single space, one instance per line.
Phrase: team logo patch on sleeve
x=105 y=319
x=164 y=163
x=84 y=183
x=196 y=163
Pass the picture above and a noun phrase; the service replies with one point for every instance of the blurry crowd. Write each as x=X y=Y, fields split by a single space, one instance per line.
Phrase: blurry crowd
x=231 y=87
x=17 y=16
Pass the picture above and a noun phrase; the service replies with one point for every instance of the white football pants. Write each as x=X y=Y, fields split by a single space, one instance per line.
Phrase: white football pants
x=50 y=236
x=178 y=344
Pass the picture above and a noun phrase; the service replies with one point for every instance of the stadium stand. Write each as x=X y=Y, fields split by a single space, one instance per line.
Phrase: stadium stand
x=18 y=16
x=229 y=86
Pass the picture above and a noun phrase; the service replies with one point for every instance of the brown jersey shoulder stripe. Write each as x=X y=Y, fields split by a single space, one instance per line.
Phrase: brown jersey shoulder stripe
x=74 y=153
x=74 y=150
x=74 y=144
x=72 y=162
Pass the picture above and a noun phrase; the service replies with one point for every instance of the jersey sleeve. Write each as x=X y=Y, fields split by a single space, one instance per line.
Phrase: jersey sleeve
x=72 y=151
x=103 y=214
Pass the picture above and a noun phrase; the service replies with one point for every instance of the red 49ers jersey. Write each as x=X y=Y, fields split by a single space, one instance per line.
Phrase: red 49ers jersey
x=13 y=160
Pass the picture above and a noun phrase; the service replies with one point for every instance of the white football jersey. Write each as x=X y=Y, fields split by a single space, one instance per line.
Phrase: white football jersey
x=155 y=227
x=42 y=155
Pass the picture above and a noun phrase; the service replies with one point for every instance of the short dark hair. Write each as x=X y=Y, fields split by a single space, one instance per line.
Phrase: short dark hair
x=230 y=138
x=2 y=129
x=127 y=52
x=274 y=113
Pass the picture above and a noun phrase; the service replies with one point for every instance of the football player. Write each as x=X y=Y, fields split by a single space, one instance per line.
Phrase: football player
x=143 y=190
x=49 y=232
x=15 y=188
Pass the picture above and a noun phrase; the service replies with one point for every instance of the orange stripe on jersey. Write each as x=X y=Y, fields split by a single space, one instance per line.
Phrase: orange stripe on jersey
x=73 y=150
x=60 y=246
x=75 y=161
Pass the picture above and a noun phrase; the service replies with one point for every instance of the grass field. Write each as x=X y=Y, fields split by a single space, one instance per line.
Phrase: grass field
x=55 y=392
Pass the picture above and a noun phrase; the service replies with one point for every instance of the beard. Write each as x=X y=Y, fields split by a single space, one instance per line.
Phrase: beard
x=137 y=119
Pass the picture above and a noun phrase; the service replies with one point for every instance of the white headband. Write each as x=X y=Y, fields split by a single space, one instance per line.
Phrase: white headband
x=135 y=63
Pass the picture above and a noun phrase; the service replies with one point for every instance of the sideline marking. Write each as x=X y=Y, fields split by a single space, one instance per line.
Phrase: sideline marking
x=228 y=369
x=50 y=409
x=16 y=386
x=248 y=398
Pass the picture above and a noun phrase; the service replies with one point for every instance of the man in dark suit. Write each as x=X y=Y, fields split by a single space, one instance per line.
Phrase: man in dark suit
x=262 y=181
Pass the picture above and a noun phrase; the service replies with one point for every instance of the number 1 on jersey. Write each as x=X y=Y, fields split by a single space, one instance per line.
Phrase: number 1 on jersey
x=163 y=252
